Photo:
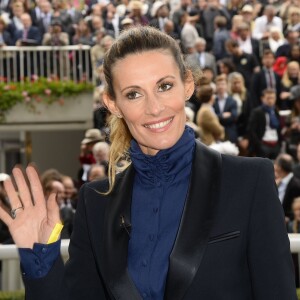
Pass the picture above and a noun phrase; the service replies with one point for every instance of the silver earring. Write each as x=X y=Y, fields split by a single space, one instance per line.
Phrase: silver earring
x=187 y=98
x=119 y=116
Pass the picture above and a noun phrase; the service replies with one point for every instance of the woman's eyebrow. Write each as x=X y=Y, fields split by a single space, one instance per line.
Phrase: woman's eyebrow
x=130 y=87
x=137 y=87
x=165 y=77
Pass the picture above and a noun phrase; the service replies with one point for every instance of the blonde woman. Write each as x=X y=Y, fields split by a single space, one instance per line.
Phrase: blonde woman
x=276 y=39
x=290 y=78
x=238 y=91
x=293 y=21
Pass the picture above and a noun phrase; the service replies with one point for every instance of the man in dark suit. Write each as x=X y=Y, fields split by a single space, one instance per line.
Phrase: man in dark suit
x=46 y=17
x=245 y=63
x=36 y=13
x=288 y=184
x=160 y=14
x=264 y=127
x=292 y=38
x=246 y=42
x=266 y=78
x=16 y=24
x=226 y=109
x=201 y=58
x=221 y=35
x=30 y=34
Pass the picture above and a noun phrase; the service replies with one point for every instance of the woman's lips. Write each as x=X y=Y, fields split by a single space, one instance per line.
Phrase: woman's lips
x=160 y=124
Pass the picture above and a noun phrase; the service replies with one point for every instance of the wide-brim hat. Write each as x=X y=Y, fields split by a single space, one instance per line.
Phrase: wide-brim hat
x=56 y=22
x=155 y=7
x=136 y=4
x=92 y=136
x=247 y=8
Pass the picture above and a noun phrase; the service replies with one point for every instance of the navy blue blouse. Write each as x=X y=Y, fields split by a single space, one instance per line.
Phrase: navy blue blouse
x=159 y=193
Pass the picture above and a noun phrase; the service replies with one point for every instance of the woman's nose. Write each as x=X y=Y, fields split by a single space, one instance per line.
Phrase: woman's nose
x=154 y=106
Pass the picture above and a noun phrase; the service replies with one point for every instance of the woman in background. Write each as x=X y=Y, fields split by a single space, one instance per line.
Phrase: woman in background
x=290 y=78
x=238 y=91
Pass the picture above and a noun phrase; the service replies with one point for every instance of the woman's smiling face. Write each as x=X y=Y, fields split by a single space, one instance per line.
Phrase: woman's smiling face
x=150 y=96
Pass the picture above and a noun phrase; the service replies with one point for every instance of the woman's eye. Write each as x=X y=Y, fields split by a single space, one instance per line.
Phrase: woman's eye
x=165 y=87
x=133 y=95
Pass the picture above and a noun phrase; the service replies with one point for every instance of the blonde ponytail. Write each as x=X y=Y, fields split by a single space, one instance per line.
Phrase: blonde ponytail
x=120 y=138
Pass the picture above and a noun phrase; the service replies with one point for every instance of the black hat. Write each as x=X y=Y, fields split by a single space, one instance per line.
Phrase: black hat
x=56 y=22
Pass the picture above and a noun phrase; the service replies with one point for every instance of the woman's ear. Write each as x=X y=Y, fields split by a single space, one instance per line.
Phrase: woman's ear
x=189 y=85
x=110 y=104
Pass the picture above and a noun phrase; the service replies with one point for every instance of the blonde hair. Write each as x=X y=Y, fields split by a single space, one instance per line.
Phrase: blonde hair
x=237 y=76
x=292 y=10
x=285 y=77
x=120 y=138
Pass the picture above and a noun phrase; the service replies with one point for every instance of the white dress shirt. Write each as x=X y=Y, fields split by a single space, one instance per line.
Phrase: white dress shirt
x=202 y=59
x=261 y=25
x=222 y=102
x=246 y=45
x=283 y=185
x=271 y=134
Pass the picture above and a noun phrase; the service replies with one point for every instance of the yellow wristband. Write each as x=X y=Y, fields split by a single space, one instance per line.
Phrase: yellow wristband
x=54 y=236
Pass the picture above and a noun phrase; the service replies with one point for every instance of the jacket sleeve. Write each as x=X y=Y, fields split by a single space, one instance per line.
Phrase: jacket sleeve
x=79 y=278
x=253 y=130
x=269 y=258
x=233 y=110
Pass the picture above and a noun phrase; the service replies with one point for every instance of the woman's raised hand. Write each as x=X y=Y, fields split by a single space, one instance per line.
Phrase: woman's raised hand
x=32 y=217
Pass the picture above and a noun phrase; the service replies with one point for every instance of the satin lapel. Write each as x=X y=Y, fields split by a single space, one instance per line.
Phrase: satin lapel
x=216 y=106
x=196 y=222
x=114 y=246
x=227 y=104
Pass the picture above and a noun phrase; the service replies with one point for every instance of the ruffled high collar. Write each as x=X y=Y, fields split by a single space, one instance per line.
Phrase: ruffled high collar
x=167 y=165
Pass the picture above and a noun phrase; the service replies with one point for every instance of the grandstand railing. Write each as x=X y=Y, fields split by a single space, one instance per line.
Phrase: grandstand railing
x=11 y=277
x=64 y=62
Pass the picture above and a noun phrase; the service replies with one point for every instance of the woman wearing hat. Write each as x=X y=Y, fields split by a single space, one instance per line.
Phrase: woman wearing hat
x=137 y=12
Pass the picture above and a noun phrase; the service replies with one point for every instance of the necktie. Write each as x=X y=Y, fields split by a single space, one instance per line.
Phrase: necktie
x=25 y=32
x=271 y=82
x=46 y=22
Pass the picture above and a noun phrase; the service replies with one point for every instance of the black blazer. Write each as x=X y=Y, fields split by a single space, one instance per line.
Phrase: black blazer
x=255 y=48
x=257 y=127
x=33 y=34
x=7 y=38
x=259 y=83
x=228 y=123
x=232 y=242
